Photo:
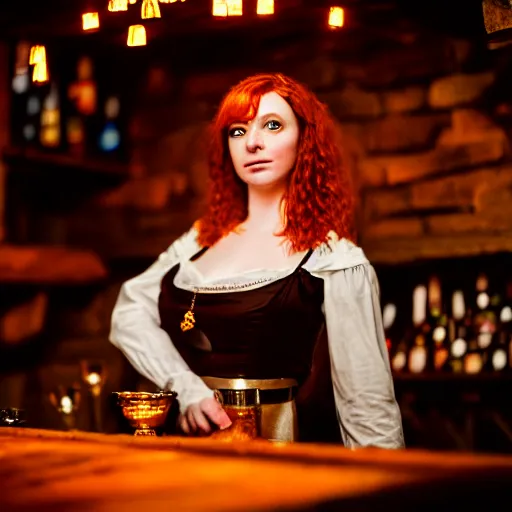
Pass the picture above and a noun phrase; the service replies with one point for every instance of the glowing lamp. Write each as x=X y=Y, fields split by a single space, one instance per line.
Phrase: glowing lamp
x=37 y=54
x=150 y=9
x=265 y=7
x=117 y=5
x=136 y=35
x=90 y=21
x=336 y=17
x=223 y=8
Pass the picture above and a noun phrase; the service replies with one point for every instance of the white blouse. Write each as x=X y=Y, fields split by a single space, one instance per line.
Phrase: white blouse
x=368 y=414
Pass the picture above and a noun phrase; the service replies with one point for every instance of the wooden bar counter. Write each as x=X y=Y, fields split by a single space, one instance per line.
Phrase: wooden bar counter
x=76 y=471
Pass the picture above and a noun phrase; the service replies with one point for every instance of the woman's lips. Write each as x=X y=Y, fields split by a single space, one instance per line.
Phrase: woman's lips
x=257 y=164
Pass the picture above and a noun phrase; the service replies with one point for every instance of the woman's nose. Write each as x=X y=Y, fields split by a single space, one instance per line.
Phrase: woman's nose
x=254 y=141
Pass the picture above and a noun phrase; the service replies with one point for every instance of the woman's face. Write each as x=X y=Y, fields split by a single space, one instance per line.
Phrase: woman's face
x=264 y=149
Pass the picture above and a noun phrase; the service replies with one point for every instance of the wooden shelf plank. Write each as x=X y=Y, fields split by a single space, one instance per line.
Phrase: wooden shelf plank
x=404 y=250
x=49 y=265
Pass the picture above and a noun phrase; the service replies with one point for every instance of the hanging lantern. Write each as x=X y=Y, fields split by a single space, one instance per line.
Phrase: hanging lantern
x=234 y=7
x=336 y=17
x=225 y=8
x=150 y=9
x=117 y=5
x=90 y=21
x=37 y=58
x=136 y=35
x=37 y=54
x=220 y=8
x=265 y=7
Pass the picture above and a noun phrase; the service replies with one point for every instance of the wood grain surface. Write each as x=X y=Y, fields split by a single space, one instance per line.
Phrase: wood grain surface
x=75 y=471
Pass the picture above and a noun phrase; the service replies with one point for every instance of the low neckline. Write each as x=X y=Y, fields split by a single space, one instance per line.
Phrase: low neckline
x=190 y=263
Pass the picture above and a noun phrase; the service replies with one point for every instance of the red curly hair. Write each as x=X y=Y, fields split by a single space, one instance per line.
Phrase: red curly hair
x=318 y=197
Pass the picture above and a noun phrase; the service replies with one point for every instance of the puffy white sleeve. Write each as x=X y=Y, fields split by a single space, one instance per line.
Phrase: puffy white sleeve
x=368 y=413
x=135 y=328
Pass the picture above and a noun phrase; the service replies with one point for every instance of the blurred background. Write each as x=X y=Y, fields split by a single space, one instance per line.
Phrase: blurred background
x=103 y=109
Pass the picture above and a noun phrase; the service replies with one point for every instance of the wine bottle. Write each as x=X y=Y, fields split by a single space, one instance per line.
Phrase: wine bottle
x=388 y=320
x=458 y=332
x=485 y=317
x=417 y=357
x=500 y=359
x=435 y=327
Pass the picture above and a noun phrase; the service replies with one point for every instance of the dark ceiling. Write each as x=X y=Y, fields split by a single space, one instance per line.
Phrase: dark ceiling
x=49 y=19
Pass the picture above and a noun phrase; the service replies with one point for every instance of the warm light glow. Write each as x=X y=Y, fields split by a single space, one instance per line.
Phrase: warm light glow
x=336 y=17
x=227 y=8
x=133 y=1
x=93 y=379
x=66 y=405
x=220 y=8
x=50 y=117
x=150 y=9
x=50 y=136
x=40 y=73
x=117 y=5
x=136 y=35
x=90 y=21
x=37 y=54
x=265 y=7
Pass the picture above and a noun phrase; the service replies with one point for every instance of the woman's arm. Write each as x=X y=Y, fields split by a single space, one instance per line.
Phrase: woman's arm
x=136 y=331
x=363 y=387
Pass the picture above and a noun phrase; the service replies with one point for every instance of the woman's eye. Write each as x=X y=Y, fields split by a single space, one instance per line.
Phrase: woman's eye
x=236 y=132
x=273 y=125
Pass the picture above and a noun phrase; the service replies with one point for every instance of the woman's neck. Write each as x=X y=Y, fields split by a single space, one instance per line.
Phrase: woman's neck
x=265 y=209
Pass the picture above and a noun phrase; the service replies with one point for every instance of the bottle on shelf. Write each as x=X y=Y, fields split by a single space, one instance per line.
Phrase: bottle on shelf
x=388 y=321
x=417 y=356
x=436 y=327
x=500 y=354
x=485 y=315
x=458 y=332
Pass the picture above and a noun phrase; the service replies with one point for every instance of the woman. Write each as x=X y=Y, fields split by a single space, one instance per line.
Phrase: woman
x=247 y=291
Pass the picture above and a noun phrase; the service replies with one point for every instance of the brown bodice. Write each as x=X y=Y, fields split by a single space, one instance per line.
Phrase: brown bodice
x=267 y=332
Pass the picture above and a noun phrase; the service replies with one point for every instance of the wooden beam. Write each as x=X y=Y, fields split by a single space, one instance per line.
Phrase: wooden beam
x=402 y=250
x=49 y=265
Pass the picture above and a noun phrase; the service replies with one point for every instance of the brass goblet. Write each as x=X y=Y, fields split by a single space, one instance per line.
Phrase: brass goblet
x=145 y=411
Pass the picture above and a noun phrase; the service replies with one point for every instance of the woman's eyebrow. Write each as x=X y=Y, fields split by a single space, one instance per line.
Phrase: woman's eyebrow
x=270 y=114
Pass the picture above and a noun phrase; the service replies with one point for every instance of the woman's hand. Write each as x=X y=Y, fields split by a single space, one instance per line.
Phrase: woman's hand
x=198 y=418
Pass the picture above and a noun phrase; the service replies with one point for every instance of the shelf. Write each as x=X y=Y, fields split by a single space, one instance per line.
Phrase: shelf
x=392 y=251
x=452 y=378
x=28 y=159
x=49 y=265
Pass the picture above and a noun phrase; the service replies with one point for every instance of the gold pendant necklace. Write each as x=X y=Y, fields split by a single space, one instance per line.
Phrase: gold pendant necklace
x=189 y=320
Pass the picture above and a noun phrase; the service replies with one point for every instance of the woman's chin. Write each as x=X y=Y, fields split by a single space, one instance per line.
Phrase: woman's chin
x=264 y=179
